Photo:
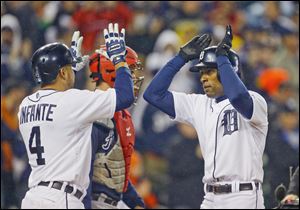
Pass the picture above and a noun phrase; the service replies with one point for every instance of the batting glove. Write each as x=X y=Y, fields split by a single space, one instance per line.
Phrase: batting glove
x=75 y=49
x=193 y=48
x=115 y=43
x=225 y=45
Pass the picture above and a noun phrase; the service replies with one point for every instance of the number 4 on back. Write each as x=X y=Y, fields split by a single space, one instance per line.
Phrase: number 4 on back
x=38 y=149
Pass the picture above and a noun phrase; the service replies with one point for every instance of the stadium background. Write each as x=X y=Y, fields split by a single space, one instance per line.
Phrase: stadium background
x=167 y=167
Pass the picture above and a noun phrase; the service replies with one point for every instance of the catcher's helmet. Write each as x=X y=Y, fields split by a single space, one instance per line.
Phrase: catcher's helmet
x=103 y=69
x=48 y=60
x=208 y=60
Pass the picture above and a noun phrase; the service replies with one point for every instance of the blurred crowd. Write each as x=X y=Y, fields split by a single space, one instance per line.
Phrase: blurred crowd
x=167 y=166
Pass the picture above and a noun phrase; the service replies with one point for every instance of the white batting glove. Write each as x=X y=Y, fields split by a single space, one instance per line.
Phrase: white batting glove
x=115 y=43
x=75 y=49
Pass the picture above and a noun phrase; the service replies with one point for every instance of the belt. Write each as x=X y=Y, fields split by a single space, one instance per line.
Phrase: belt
x=58 y=185
x=104 y=198
x=226 y=188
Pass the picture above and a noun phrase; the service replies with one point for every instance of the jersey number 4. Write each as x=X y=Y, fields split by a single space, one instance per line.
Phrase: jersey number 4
x=38 y=149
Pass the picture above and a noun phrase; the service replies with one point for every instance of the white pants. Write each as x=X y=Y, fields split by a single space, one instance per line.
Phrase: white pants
x=41 y=197
x=248 y=199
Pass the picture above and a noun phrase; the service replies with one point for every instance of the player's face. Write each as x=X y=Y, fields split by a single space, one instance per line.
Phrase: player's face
x=211 y=84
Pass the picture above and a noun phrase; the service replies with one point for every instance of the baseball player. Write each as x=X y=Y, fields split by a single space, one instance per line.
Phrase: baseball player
x=231 y=122
x=56 y=121
x=113 y=140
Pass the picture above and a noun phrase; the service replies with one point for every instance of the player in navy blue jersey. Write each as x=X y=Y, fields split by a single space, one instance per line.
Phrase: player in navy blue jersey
x=112 y=141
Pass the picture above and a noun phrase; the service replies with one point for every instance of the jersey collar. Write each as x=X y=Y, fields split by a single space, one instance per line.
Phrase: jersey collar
x=221 y=98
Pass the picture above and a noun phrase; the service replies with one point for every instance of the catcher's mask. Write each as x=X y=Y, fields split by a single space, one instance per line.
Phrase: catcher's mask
x=103 y=69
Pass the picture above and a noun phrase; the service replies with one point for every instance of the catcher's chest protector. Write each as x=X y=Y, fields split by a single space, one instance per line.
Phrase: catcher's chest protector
x=125 y=130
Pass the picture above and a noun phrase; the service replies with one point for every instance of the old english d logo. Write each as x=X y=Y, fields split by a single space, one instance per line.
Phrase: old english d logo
x=230 y=122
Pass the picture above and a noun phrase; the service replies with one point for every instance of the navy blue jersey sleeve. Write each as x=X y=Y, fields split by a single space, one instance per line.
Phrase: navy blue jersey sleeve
x=131 y=197
x=124 y=89
x=234 y=88
x=157 y=92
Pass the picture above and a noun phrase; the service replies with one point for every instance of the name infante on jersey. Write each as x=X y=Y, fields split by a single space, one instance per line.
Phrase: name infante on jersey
x=37 y=112
x=57 y=132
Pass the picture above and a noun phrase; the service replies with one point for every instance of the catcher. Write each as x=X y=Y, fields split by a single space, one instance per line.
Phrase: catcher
x=113 y=140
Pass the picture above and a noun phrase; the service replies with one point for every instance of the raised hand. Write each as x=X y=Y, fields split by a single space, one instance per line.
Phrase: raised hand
x=225 y=45
x=115 y=43
x=193 y=48
x=75 y=49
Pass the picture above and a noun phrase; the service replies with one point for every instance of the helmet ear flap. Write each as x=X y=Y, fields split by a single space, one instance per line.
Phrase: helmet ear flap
x=37 y=76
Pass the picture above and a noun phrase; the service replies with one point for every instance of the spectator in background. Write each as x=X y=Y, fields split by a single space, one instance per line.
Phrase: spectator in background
x=14 y=92
x=293 y=189
x=270 y=80
x=155 y=126
x=287 y=55
x=185 y=177
x=11 y=144
x=15 y=52
x=166 y=46
x=8 y=185
x=154 y=122
x=282 y=147
x=280 y=94
x=15 y=64
x=149 y=20
x=10 y=46
x=63 y=24
x=29 y=21
x=256 y=57
x=6 y=43
x=274 y=82
x=273 y=16
x=140 y=181
x=268 y=37
x=93 y=17
x=25 y=65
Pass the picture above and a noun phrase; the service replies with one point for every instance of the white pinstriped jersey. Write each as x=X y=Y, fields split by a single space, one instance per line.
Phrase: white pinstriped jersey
x=232 y=145
x=56 y=128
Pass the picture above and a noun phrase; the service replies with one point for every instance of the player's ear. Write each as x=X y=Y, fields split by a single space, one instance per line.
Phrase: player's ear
x=64 y=73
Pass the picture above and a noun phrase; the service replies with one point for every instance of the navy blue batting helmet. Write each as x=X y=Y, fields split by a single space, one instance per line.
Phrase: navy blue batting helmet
x=48 y=60
x=208 y=60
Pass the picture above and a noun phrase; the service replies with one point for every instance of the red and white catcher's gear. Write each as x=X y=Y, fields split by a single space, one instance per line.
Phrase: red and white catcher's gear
x=125 y=129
